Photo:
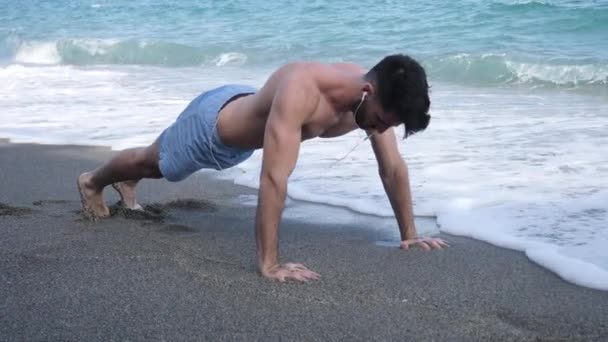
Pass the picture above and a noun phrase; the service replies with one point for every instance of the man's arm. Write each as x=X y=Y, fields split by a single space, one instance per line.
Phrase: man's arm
x=295 y=100
x=395 y=179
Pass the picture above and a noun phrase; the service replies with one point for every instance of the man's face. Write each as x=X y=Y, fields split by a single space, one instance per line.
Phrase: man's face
x=374 y=118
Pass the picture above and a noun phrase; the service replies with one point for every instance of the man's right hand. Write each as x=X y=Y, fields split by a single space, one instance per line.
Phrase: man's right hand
x=289 y=271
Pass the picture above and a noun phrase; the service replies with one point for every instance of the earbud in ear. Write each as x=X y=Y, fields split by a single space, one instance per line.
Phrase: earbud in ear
x=364 y=96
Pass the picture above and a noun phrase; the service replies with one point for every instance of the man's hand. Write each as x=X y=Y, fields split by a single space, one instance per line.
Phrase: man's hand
x=425 y=243
x=290 y=271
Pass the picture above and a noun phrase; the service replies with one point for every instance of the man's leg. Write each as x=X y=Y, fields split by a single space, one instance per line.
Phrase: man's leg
x=126 y=190
x=125 y=169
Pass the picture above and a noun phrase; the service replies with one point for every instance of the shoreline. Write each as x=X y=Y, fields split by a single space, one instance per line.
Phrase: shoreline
x=186 y=271
x=385 y=229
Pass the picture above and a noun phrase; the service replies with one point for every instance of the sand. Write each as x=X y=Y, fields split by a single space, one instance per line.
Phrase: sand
x=184 y=270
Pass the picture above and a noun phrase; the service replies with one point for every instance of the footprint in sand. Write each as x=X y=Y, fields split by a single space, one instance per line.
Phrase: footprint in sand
x=7 y=210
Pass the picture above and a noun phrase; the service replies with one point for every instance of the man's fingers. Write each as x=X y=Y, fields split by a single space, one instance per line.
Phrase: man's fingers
x=298 y=276
x=313 y=275
x=439 y=243
x=425 y=243
x=294 y=266
x=309 y=275
x=425 y=246
x=435 y=244
x=304 y=269
x=304 y=276
x=301 y=267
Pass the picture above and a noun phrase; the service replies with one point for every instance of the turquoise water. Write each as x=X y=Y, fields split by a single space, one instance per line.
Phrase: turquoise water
x=514 y=155
x=561 y=43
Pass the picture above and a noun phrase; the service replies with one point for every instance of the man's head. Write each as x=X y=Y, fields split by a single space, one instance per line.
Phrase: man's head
x=395 y=92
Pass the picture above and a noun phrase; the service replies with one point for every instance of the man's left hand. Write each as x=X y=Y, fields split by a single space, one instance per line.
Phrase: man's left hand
x=425 y=243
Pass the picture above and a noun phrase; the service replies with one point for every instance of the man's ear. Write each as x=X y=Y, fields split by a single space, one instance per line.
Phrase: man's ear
x=368 y=89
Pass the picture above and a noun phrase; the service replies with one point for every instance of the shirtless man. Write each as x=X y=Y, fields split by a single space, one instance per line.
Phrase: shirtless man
x=300 y=101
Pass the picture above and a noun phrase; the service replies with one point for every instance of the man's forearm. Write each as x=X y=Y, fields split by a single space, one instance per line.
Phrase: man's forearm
x=397 y=186
x=271 y=200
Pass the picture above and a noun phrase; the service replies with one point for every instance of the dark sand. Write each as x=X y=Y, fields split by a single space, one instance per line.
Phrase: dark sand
x=185 y=271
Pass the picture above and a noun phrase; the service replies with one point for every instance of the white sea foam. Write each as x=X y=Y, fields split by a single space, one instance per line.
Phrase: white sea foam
x=559 y=74
x=122 y=107
x=49 y=52
x=493 y=68
x=520 y=170
x=233 y=58
x=486 y=68
x=38 y=53
x=92 y=51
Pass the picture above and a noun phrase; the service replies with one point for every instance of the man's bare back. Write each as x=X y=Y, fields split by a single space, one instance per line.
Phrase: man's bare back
x=300 y=101
x=242 y=122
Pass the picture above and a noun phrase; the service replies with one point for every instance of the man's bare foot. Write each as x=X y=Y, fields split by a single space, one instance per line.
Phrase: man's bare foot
x=126 y=190
x=93 y=204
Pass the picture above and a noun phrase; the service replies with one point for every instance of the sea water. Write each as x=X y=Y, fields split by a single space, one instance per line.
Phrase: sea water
x=516 y=152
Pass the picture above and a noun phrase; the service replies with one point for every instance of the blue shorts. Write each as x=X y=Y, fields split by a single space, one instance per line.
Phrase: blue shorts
x=192 y=142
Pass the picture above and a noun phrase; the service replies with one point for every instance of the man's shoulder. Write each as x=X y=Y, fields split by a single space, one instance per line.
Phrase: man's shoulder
x=301 y=76
x=303 y=69
x=349 y=67
x=313 y=66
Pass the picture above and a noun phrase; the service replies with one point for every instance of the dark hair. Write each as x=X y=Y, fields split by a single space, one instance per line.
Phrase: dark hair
x=402 y=88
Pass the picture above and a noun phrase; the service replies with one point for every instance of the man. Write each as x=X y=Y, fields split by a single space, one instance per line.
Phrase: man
x=300 y=101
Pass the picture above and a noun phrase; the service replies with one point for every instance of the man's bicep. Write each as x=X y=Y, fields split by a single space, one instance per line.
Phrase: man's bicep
x=291 y=107
x=281 y=147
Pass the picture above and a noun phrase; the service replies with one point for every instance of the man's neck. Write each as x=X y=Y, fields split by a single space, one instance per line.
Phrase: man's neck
x=346 y=97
